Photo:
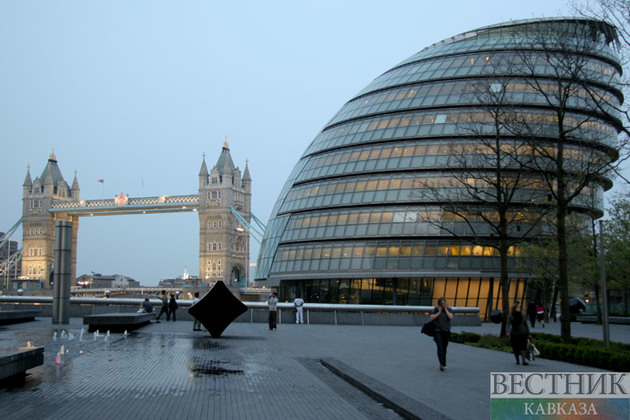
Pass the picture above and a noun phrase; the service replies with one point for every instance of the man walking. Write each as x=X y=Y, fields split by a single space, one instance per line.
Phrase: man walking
x=164 y=310
x=531 y=313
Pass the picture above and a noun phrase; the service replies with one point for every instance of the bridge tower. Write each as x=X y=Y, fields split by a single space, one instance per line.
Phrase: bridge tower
x=223 y=243
x=38 y=224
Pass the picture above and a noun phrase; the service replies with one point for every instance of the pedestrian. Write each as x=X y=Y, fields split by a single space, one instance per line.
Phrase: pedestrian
x=164 y=310
x=531 y=313
x=273 y=310
x=147 y=306
x=441 y=317
x=172 y=307
x=299 y=303
x=518 y=333
x=196 y=322
x=540 y=313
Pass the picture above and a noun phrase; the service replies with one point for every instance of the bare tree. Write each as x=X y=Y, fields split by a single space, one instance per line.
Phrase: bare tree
x=617 y=14
x=543 y=125
x=617 y=242
x=488 y=194
x=573 y=135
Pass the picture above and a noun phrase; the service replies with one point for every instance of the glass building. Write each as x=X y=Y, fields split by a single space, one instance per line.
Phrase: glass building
x=369 y=214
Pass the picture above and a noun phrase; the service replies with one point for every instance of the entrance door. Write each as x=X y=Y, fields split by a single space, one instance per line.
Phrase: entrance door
x=235 y=277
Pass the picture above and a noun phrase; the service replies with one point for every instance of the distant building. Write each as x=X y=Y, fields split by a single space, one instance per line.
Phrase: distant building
x=7 y=249
x=99 y=281
x=186 y=280
x=181 y=283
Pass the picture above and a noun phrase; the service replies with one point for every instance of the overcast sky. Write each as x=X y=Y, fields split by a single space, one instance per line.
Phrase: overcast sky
x=134 y=92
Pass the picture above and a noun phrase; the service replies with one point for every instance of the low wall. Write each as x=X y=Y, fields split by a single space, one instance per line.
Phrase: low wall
x=341 y=317
x=329 y=314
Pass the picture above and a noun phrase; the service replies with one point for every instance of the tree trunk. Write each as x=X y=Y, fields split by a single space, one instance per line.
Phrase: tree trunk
x=563 y=278
x=505 y=285
x=554 y=300
x=598 y=305
x=490 y=298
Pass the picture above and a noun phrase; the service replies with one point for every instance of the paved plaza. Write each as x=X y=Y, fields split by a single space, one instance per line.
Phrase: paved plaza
x=167 y=371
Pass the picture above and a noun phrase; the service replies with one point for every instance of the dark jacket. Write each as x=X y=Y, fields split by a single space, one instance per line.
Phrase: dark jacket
x=442 y=323
x=172 y=304
x=513 y=327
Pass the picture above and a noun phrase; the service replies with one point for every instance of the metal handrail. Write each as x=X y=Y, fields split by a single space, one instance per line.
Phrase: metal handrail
x=250 y=305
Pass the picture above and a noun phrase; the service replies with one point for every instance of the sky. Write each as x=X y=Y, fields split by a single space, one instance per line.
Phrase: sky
x=135 y=92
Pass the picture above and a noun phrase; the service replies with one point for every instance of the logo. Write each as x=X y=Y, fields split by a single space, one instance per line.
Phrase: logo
x=551 y=395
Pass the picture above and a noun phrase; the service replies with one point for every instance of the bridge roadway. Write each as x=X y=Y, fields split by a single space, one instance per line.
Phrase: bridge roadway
x=167 y=371
x=126 y=205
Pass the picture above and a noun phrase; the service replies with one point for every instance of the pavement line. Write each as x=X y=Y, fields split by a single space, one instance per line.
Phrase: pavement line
x=402 y=404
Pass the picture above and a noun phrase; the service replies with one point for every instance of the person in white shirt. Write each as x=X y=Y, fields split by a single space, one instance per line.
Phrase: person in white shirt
x=299 y=303
x=273 y=310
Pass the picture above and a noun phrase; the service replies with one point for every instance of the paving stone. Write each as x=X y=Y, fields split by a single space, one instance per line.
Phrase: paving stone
x=168 y=371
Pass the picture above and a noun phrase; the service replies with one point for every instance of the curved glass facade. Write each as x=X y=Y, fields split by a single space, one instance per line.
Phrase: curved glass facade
x=363 y=217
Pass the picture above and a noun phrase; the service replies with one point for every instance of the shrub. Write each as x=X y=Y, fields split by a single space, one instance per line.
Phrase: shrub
x=582 y=351
x=464 y=337
x=493 y=342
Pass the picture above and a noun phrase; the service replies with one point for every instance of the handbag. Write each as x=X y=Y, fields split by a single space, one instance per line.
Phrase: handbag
x=533 y=348
x=429 y=329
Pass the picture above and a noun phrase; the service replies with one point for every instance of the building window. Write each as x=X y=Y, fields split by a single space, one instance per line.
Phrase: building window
x=215 y=246
x=35 y=271
x=215 y=224
x=36 y=204
x=214 y=268
x=238 y=198
x=239 y=245
x=214 y=197
x=35 y=252
x=36 y=230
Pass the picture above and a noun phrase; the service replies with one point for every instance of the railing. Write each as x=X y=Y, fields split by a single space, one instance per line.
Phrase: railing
x=317 y=313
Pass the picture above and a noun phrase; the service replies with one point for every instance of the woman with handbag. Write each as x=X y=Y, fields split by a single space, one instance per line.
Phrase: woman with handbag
x=441 y=317
x=518 y=333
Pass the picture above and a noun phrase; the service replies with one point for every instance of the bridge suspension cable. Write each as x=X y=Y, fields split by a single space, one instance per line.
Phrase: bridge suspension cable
x=14 y=258
x=255 y=232
x=260 y=224
x=7 y=236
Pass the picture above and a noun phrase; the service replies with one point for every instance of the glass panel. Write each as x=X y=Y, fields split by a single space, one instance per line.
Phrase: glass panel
x=439 y=286
x=365 y=295
x=451 y=291
x=473 y=292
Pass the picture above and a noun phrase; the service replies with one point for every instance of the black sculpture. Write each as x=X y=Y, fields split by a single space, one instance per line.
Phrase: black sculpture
x=217 y=309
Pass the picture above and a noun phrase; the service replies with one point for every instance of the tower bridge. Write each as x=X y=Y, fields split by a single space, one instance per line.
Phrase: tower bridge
x=223 y=205
x=123 y=204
